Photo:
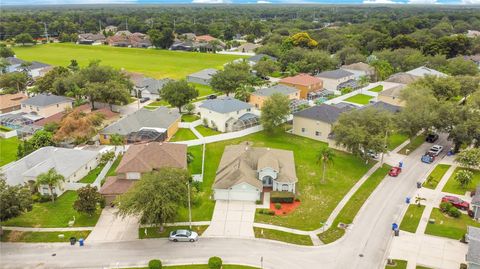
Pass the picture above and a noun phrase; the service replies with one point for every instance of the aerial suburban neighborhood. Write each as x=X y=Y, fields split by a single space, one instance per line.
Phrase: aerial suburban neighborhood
x=235 y=135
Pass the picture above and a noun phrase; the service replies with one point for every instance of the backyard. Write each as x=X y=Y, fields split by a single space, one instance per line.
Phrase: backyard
x=205 y=131
x=435 y=176
x=399 y=264
x=377 y=88
x=361 y=99
x=92 y=175
x=412 y=218
x=446 y=226
x=8 y=150
x=195 y=166
x=183 y=134
x=189 y=118
x=453 y=186
x=174 y=64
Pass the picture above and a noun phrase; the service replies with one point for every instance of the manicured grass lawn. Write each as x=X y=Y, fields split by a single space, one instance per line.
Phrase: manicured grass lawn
x=8 y=150
x=150 y=62
x=396 y=140
x=453 y=186
x=201 y=266
x=153 y=232
x=351 y=208
x=297 y=239
x=412 y=218
x=183 y=134
x=195 y=167
x=158 y=103
x=437 y=173
x=203 y=90
x=399 y=264
x=92 y=175
x=422 y=267
x=449 y=227
x=56 y=214
x=377 y=88
x=111 y=171
x=360 y=98
x=205 y=131
x=413 y=145
x=189 y=118
x=41 y=237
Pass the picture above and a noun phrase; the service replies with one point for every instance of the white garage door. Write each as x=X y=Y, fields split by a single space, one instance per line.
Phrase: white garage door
x=237 y=195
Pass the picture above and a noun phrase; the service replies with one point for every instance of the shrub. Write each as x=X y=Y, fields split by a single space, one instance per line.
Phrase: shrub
x=278 y=206
x=281 y=197
x=215 y=263
x=454 y=212
x=259 y=202
x=155 y=264
x=463 y=266
x=265 y=211
x=445 y=207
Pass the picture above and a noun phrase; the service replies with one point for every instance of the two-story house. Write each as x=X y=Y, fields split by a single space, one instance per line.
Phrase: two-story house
x=303 y=82
x=334 y=80
x=46 y=105
x=258 y=97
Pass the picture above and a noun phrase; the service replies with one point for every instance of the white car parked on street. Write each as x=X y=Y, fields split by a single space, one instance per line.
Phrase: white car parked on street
x=183 y=236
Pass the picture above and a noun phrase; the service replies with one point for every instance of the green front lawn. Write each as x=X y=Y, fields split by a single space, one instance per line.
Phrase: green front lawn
x=154 y=232
x=396 y=140
x=351 y=208
x=399 y=264
x=189 y=117
x=446 y=226
x=377 y=88
x=41 y=237
x=436 y=175
x=297 y=239
x=361 y=99
x=195 y=167
x=174 y=64
x=92 y=175
x=453 y=186
x=413 y=145
x=412 y=218
x=56 y=214
x=205 y=131
x=158 y=103
x=183 y=134
x=8 y=150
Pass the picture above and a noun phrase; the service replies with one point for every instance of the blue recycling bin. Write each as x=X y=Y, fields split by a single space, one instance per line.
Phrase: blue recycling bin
x=394 y=226
x=407 y=200
x=80 y=242
x=400 y=164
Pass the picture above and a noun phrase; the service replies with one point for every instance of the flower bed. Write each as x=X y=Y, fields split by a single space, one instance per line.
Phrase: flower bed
x=285 y=209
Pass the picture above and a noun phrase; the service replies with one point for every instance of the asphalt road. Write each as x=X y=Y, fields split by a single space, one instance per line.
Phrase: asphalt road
x=364 y=246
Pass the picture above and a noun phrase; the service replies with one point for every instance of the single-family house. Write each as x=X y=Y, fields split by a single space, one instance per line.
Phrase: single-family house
x=259 y=57
x=128 y=39
x=392 y=95
x=140 y=159
x=305 y=83
x=108 y=115
x=316 y=122
x=227 y=114
x=473 y=254
x=360 y=69
x=402 y=78
x=476 y=204
x=34 y=69
x=205 y=38
x=248 y=47
x=144 y=125
x=111 y=28
x=149 y=87
x=91 y=39
x=258 y=97
x=383 y=106
x=11 y=102
x=425 y=71
x=72 y=164
x=186 y=45
x=335 y=79
x=46 y=105
x=244 y=171
x=202 y=77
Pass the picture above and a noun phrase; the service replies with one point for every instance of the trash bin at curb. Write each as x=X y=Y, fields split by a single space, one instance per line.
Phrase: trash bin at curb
x=419 y=185
x=407 y=200
x=80 y=242
x=73 y=240
x=397 y=232
x=394 y=226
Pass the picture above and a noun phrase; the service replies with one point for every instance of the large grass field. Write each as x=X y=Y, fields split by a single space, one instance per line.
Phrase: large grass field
x=54 y=214
x=8 y=150
x=446 y=226
x=453 y=186
x=41 y=237
x=412 y=218
x=435 y=176
x=150 y=62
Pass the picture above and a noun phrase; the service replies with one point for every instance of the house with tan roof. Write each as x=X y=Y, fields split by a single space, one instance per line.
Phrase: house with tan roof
x=392 y=96
x=303 y=82
x=11 y=102
x=140 y=159
x=244 y=171
x=360 y=69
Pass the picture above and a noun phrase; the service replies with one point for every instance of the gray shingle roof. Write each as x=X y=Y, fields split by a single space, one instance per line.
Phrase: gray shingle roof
x=323 y=112
x=161 y=117
x=384 y=106
x=42 y=100
x=225 y=105
x=335 y=74
x=152 y=85
x=14 y=60
x=473 y=254
x=37 y=65
x=205 y=73
x=258 y=57
x=33 y=65
x=279 y=88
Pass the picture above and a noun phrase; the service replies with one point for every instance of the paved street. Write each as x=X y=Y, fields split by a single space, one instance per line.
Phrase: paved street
x=364 y=246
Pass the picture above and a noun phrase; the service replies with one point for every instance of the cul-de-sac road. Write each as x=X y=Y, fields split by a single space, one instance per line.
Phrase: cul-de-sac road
x=364 y=246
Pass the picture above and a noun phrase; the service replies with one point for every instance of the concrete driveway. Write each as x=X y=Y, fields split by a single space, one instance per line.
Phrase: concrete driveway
x=111 y=228
x=232 y=219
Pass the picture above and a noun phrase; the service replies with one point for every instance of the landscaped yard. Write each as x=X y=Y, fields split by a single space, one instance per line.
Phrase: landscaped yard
x=412 y=218
x=453 y=186
x=361 y=99
x=399 y=264
x=205 y=131
x=92 y=175
x=203 y=90
x=283 y=236
x=377 y=88
x=435 y=176
x=111 y=171
x=446 y=226
x=189 y=118
x=351 y=208
x=195 y=167
x=395 y=140
x=54 y=214
x=154 y=232
x=41 y=237
x=150 y=62
x=183 y=134
x=156 y=104
x=8 y=150
x=413 y=145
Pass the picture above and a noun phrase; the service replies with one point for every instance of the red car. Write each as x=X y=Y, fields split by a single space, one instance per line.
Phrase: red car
x=395 y=171
x=456 y=202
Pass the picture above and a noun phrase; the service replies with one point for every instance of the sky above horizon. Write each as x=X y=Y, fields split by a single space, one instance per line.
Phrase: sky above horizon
x=68 y=2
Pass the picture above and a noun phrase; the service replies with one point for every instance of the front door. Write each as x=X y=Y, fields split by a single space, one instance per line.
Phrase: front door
x=267 y=181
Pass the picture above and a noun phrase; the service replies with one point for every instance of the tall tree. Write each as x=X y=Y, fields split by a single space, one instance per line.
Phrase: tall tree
x=45 y=83
x=24 y=38
x=265 y=68
x=469 y=158
x=6 y=52
x=275 y=111
x=232 y=77
x=13 y=82
x=52 y=179
x=178 y=93
x=87 y=200
x=117 y=140
x=14 y=200
x=325 y=156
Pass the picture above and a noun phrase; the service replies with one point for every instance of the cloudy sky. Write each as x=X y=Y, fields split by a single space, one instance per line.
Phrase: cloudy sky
x=50 y=2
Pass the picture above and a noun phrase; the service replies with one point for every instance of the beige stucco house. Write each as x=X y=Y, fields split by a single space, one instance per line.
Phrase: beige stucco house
x=46 y=105
x=334 y=78
x=392 y=96
x=258 y=97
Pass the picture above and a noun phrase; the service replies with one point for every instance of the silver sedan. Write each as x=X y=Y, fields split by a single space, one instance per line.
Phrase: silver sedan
x=183 y=235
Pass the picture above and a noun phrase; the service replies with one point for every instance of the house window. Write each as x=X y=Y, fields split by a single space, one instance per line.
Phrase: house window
x=317 y=133
x=303 y=130
x=285 y=187
x=105 y=136
x=249 y=109
x=45 y=190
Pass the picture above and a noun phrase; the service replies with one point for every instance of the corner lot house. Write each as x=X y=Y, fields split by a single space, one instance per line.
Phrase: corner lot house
x=244 y=171
x=202 y=77
x=473 y=255
x=11 y=102
x=257 y=98
x=303 y=82
x=140 y=159
x=334 y=79
x=73 y=164
x=46 y=105
x=227 y=114
x=144 y=125
x=392 y=96
x=359 y=69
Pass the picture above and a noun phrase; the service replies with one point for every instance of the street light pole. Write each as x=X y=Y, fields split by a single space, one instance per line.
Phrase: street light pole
x=189 y=206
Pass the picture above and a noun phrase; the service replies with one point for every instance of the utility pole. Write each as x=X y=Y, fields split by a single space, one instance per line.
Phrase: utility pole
x=174 y=24
x=46 y=31
x=385 y=146
x=189 y=207
x=126 y=24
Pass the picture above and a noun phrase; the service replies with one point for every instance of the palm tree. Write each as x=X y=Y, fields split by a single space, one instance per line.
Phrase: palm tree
x=52 y=179
x=363 y=81
x=325 y=156
x=116 y=140
x=418 y=200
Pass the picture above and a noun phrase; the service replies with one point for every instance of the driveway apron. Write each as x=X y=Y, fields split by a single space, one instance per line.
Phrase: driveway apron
x=232 y=219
